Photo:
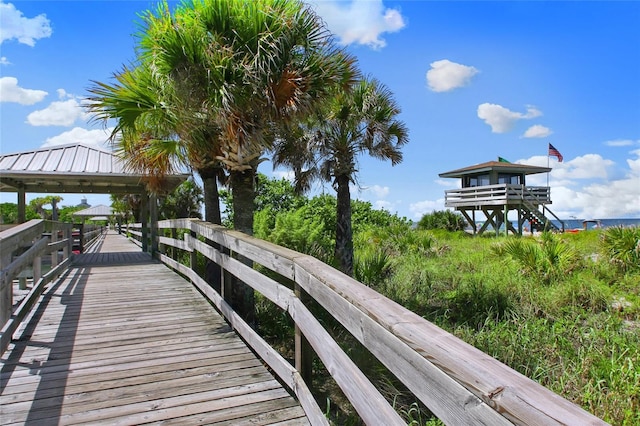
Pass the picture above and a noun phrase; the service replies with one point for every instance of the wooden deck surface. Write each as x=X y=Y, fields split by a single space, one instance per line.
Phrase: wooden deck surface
x=123 y=340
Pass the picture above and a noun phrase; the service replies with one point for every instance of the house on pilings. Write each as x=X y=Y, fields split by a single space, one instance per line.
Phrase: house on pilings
x=495 y=188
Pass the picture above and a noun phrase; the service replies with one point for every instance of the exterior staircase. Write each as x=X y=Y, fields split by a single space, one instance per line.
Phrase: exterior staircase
x=538 y=220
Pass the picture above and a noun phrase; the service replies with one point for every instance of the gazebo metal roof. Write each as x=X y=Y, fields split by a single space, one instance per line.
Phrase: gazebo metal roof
x=99 y=210
x=74 y=168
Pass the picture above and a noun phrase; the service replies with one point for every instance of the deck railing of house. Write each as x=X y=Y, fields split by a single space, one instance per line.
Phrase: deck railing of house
x=497 y=195
x=456 y=381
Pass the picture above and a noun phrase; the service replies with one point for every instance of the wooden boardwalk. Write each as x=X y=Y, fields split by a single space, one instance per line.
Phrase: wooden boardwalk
x=121 y=339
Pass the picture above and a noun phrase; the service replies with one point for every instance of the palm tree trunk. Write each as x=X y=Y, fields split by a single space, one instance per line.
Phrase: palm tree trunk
x=243 y=190
x=211 y=197
x=212 y=271
x=344 y=233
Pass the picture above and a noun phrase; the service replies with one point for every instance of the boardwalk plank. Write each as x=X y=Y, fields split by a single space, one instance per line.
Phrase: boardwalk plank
x=123 y=340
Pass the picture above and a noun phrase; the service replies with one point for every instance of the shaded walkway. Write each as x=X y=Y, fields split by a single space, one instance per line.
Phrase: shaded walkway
x=121 y=339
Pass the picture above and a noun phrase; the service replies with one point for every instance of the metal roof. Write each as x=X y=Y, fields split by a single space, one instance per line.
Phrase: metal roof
x=74 y=168
x=99 y=210
x=495 y=165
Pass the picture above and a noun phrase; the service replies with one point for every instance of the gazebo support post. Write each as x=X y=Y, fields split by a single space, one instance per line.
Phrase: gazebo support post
x=22 y=205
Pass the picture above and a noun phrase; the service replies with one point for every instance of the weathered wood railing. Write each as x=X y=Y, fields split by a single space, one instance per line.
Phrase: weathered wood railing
x=22 y=248
x=85 y=235
x=497 y=194
x=456 y=381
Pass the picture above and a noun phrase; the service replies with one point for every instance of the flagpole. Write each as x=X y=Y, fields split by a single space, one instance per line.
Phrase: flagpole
x=548 y=163
x=544 y=206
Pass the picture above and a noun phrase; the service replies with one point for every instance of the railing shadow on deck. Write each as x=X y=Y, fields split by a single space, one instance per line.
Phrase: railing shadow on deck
x=22 y=249
x=457 y=382
x=49 y=396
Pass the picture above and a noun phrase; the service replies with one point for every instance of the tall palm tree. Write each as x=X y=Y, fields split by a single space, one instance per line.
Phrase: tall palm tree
x=362 y=120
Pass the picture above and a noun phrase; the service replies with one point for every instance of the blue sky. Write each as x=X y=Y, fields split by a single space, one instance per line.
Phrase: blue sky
x=475 y=80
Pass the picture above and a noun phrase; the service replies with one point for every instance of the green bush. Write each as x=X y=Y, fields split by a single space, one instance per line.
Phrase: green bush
x=548 y=258
x=478 y=300
x=371 y=266
x=622 y=246
x=445 y=219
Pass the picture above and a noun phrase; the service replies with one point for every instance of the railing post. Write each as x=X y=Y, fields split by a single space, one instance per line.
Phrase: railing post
x=153 y=213
x=226 y=280
x=6 y=291
x=81 y=238
x=144 y=221
x=303 y=350
x=54 y=238
x=68 y=248
x=37 y=269
x=193 y=256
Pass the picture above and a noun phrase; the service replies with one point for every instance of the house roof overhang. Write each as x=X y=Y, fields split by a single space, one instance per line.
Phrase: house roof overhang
x=499 y=166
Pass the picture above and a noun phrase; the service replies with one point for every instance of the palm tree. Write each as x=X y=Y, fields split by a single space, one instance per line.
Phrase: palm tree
x=151 y=134
x=354 y=122
x=223 y=71
x=243 y=64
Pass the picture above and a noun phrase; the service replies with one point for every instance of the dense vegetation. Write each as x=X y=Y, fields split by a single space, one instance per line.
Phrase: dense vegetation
x=563 y=309
x=9 y=212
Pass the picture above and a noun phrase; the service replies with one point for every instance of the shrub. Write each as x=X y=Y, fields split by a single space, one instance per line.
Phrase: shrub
x=477 y=301
x=371 y=266
x=547 y=259
x=444 y=219
x=622 y=246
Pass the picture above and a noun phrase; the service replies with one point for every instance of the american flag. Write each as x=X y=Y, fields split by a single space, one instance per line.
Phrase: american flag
x=553 y=152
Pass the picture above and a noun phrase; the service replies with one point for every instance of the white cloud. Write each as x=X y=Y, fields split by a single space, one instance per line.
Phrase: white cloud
x=284 y=174
x=63 y=94
x=445 y=75
x=359 y=21
x=622 y=142
x=448 y=183
x=583 y=187
x=377 y=190
x=11 y=92
x=421 y=208
x=383 y=205
x=537 y=131
x=96 y=137
x=634 y=165
x=14 y=25
x=602 y=200
x=59 y=113
x=502 y=119
x=4 y=61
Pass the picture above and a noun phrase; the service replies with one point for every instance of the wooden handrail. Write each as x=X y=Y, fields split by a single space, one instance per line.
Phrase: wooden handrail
x=456 y=381
x=31 y=238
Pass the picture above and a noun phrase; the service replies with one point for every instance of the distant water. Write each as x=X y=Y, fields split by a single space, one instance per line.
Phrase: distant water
x=606 y=223
x=577 y=223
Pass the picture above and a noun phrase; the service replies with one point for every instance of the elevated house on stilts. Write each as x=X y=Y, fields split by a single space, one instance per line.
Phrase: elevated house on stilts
x=495 y=188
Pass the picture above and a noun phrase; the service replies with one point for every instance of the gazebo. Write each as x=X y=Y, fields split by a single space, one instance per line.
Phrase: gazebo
x=99 y=212
x=77 y=168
